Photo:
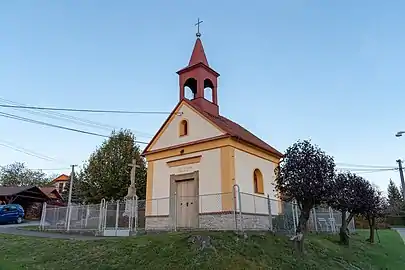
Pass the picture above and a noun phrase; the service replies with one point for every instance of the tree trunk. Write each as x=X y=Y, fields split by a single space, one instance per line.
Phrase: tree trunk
x=302 y=229
x=351 y=216
x=349 y=219
x=371 y=223
x=344 y=236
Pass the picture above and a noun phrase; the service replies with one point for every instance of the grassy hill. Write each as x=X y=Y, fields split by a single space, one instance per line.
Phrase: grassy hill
x=201 y=251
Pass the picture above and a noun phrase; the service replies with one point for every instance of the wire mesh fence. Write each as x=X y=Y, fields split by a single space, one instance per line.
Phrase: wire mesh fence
x=236 y=211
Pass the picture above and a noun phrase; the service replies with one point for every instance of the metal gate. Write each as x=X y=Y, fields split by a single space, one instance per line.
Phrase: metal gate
x=118 y=218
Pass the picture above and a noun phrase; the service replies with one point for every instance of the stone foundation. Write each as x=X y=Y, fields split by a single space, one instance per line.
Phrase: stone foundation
x=217 y=221
x=254 y=221
x=158 y=223
x=214 y=221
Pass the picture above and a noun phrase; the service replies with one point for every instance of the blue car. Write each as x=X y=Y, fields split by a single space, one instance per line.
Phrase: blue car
x=11 y=213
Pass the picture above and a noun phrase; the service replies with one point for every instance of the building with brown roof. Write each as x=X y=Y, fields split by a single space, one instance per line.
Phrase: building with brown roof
x=198 y=152
x=60 y=182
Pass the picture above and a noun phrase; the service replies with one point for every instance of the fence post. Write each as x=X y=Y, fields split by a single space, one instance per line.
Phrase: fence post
x=66 y=216
x=175 y=212
x=234 y=208
x=87 y=216
x=315 y=221
x=69 y=217
x=100 y=217
x=329 y=220
x=293 y=216
x=236 y=186
x=43 y=216
x=135 y=226
x=105 y=212
x=270 y=214
x=117 y=214
x=129 y=210
x=57 y=218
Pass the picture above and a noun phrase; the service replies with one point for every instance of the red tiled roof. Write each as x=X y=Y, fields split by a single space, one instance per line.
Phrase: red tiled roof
x=62 y=177
x=231 y=128
x=235 y=130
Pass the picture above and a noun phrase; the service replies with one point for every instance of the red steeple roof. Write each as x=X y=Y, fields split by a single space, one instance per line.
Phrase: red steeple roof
x=198 y=55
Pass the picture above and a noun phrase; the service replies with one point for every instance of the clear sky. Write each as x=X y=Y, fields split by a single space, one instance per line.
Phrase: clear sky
x=324 y=70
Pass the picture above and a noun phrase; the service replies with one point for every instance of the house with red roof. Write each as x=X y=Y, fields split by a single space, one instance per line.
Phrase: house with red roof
x=60 y=182
x=198 y=153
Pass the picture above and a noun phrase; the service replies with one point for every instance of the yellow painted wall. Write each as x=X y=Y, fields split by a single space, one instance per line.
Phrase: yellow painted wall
x=227 y=177
x=198 y=129
x=245 y=164
x=209 y=167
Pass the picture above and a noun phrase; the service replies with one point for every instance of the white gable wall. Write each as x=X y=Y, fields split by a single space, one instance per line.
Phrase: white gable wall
x=209 y=181
x=198 y=129
x=245 y=164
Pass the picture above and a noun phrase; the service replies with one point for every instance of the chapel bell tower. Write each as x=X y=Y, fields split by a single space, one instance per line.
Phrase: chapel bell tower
x=199 y=80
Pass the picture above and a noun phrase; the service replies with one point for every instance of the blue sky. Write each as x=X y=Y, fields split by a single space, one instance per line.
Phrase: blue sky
x=324 y=70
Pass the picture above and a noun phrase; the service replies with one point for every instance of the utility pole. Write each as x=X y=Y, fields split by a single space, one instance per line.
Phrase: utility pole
x=401 y=174
x=72 y=176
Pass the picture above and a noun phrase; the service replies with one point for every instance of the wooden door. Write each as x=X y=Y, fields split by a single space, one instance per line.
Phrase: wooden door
x=187 y=204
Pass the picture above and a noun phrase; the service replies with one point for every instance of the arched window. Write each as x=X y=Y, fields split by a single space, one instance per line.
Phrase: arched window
x=208 y=90
x=183 y=129
x=190 y=88
x=258 y=182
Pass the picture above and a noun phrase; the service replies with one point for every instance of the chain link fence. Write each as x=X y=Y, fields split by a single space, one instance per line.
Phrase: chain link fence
x=236 y=211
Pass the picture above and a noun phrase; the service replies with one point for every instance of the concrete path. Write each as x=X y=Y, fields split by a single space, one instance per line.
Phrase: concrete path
x=17 y=230
x=401 y=232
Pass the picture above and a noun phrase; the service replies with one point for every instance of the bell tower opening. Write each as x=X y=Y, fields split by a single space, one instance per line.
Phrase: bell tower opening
x=198 y=81
x=208 y=90
x=190 y=89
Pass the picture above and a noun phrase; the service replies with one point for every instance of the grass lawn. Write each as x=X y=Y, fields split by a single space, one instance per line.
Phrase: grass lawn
x=175 y=251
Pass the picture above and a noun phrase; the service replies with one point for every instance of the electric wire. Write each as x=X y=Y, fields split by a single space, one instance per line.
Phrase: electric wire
x=363 y=166
x=26 y=152
x=82 y=110
x=20 y=118
x=51 y=169
x=70 y=118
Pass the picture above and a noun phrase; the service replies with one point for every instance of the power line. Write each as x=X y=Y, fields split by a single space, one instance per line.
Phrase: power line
x=27 y=152
x=365 y=166
x=82 y=110
x=361 y=171
x=51 y=169
x=364 y=169
x=16 y=117
x=64 y=117
x=70 y=118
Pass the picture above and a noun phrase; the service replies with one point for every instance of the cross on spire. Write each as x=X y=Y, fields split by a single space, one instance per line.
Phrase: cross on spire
x=198 y=34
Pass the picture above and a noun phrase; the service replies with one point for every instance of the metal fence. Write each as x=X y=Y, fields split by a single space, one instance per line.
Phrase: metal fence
x=236 y=211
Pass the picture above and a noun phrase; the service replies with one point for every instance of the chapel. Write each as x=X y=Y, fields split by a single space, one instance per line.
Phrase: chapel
x=198 y=157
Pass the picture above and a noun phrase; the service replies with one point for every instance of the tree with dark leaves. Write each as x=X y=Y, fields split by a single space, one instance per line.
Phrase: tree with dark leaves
x=347 y=196
x=395 y=201
x=305 y=175
x=375 y=206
